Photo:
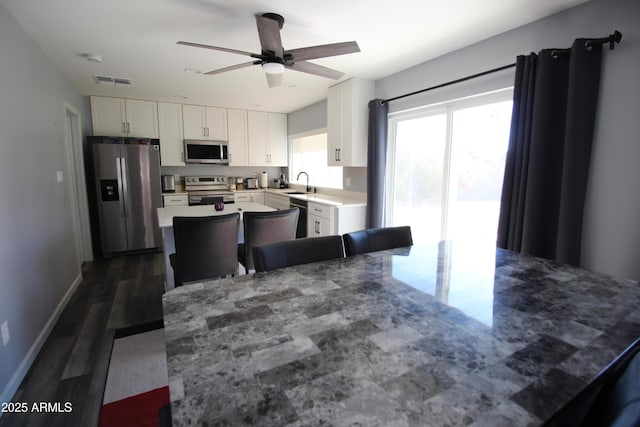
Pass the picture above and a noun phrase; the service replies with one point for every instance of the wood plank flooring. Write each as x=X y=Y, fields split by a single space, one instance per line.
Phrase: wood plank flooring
x=119 y=292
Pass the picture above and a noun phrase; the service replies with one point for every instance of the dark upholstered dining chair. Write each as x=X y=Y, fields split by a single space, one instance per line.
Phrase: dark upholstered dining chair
x=296 y=252
x=377 y=239
x=262 y=228
x=612 y=398
x=205 y=247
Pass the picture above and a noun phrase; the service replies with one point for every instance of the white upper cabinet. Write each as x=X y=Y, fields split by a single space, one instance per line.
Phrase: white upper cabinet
x=171 y=134
x=207 y=123
x=238 y=141
x=124 y=117
x=278 y=149
x=347 y=122
x=267 y=138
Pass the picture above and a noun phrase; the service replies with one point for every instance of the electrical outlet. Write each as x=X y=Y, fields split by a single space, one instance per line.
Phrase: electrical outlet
x=348 y=182
x=5 y=333
x=60 y=176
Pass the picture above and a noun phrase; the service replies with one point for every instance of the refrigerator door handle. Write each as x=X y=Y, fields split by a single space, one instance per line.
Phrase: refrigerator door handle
x=119 y=175
x=125 y=187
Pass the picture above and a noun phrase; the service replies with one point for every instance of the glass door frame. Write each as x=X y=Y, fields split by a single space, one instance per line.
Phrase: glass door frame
x=448 y=108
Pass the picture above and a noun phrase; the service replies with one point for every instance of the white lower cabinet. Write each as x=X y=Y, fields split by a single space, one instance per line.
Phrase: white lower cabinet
x=318 y=226
x=276 y=201
x=320 y=220
x=175 y=199
x=325 y=220
x=255 y=197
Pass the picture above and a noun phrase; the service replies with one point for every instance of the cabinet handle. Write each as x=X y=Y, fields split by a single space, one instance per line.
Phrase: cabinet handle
x=317 y=210
x=339 y=154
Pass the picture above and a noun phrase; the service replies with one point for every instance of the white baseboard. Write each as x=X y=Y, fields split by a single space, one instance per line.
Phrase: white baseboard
x=24 y=366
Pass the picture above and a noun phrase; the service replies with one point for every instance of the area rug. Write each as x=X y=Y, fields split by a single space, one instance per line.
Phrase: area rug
x=137 y=381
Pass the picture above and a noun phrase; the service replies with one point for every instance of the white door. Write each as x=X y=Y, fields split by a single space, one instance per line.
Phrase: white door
x=73 y=193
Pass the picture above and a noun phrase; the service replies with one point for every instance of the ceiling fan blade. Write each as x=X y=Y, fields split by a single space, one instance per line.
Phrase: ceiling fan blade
x=274 y=80
x=232 y=67
x=223 y=49
x=323 y=51
x=318 y=70
x=269 y=34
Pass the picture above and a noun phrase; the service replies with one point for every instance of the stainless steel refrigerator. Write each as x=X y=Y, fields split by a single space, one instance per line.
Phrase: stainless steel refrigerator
x=128 y=194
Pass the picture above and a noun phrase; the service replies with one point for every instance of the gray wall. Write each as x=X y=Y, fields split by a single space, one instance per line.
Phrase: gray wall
x=37 y=256
x=611 y=242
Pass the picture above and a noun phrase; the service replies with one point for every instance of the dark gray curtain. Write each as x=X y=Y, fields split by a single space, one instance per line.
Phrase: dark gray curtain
x=547 y=165
x=376 y=162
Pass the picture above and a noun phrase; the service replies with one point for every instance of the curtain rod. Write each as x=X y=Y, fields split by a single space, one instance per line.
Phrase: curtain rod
x=504 y=67
x=612 y=39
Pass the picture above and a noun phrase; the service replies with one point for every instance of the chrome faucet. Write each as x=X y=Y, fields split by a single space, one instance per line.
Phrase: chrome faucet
x=303 y=172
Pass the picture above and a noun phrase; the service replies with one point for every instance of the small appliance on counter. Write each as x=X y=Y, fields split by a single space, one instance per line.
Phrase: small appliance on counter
x=168 y=183
x=251 y=183
x=239 y=183
x=283 y=182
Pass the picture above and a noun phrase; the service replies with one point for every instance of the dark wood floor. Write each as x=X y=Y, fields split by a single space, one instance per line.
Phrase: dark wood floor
x=115 y=293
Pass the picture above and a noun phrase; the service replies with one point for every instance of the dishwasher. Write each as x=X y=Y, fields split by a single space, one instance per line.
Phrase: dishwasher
x=301 y=231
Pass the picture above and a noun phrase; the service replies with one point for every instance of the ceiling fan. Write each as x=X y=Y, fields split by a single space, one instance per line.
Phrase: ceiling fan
x=274 y=58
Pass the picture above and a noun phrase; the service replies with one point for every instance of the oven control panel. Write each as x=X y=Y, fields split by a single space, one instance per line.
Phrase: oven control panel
x=206 y=182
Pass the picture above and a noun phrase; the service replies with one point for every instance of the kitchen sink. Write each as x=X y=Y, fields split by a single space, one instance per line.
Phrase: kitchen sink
x=296 y=192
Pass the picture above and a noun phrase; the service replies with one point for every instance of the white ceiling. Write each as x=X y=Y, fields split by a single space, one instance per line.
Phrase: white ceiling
x=136 y=39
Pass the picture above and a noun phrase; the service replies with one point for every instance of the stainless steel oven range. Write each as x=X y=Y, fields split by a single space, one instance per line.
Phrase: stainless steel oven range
x=203 y=190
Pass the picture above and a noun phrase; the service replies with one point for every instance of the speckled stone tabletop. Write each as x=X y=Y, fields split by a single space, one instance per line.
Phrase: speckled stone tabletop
x=437 y=335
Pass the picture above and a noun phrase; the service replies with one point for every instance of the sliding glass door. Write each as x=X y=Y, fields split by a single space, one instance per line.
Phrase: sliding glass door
x=445 y=168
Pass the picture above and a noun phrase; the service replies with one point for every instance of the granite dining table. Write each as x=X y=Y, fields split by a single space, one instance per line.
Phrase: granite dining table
x=429 y=335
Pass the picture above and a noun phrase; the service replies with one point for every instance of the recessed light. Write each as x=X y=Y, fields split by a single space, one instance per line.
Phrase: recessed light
x=180 y=97
x=192 y=71
x=92 y=57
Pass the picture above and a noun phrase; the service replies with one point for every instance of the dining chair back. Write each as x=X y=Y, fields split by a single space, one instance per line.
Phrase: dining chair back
x=377 y=239
x=262 y=228
x=296 y=252
x=205 y=247
x=612 y=398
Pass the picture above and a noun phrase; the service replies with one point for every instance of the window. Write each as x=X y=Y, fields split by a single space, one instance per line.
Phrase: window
x=309 y=154
x=445 y=168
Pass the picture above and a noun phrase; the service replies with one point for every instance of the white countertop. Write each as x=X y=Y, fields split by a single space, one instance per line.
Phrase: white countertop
x=326 y=199
x=165 y=215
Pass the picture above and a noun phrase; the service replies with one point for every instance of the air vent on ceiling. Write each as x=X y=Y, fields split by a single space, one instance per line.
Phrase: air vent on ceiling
x=112 y=81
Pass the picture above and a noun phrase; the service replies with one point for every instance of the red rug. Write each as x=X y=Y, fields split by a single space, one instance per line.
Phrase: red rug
x=140 y=410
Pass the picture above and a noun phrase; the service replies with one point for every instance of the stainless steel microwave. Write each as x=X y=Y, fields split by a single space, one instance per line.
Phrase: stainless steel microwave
x=197 y=151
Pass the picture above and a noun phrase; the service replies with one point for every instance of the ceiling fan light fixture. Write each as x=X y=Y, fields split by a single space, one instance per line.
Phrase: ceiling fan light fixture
x=273 y=68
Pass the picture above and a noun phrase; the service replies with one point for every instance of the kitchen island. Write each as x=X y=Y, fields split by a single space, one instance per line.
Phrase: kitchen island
x=165 y=221
x=429 y=335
